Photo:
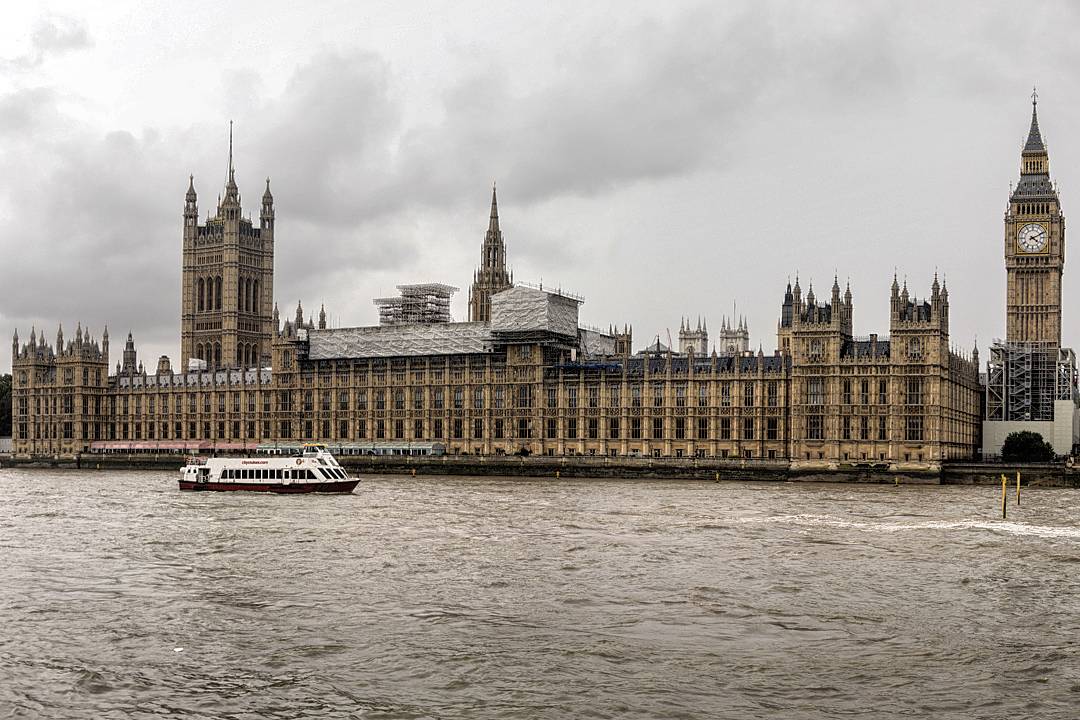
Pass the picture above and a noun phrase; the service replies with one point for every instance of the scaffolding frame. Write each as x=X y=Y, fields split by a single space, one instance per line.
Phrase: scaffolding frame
x=424 y=303
x=1024 y=380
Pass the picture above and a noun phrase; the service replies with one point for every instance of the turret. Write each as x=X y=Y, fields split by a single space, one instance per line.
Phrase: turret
x=267 y=214
x=191 y=205
x=60 y=339
x=15 y=344
x=277 y=320
x=130 y=360
x=322 y=317
x=105 y=343
x=299 y=315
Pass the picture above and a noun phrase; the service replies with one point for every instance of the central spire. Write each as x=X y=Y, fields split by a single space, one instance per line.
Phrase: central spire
x=232 y=194
x=493 y=222
x=491 y=277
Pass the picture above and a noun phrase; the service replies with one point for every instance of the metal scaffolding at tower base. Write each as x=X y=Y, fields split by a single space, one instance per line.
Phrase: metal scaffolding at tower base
x=1025 y=379
x=425 y=303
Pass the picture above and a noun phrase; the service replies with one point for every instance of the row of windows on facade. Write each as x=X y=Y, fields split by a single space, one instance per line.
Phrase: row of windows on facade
x=1033 y=208
x=247 y=354
x=48 y=376
x=656 y=428
x=815 y=395
x=815 y=349
x=208 y=295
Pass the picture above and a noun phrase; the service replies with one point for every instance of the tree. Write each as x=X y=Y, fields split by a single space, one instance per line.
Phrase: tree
x=5 y=406
x=1026 y=446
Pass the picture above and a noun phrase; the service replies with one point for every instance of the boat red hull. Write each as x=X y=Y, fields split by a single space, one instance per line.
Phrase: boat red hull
x=337 y=486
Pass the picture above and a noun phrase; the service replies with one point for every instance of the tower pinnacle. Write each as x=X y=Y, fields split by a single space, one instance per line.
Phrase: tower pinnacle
x=1034 y=142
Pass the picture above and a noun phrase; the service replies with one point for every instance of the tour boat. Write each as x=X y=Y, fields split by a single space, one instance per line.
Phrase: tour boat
x=314 y=470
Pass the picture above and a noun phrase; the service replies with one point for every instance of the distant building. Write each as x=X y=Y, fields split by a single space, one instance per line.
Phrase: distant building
x=693 y=340
x=733 y=338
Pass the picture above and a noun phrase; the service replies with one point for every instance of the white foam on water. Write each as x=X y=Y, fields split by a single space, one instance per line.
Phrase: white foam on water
x=1011 y=528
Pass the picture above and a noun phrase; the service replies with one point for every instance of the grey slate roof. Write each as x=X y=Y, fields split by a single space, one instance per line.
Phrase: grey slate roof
x=865 y=349
x=1034 y=142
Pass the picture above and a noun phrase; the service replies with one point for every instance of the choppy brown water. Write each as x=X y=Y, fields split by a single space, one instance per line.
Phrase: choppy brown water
x=121 y=597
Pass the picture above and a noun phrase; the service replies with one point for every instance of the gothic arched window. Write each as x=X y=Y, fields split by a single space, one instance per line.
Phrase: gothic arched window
x=199 y=291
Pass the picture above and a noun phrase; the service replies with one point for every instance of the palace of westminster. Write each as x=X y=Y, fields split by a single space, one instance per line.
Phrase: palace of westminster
x=521 y=376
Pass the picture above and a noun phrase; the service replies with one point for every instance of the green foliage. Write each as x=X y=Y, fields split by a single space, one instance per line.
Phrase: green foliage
x=5 y=406
x=1026 y=446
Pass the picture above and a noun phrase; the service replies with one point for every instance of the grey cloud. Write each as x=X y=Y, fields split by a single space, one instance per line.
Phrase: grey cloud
x=51 y=36
x=94 y=218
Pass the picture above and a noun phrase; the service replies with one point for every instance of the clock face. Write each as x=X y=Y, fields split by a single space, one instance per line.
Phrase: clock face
x=1031 y=238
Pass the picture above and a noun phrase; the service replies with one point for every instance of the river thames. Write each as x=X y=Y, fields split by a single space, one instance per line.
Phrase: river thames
x=121 y=597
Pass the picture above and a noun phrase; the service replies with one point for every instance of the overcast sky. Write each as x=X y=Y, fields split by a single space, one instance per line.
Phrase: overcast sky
x=661 y=159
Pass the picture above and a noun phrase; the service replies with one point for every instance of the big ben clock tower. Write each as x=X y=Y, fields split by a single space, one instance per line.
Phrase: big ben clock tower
x=1034 y=248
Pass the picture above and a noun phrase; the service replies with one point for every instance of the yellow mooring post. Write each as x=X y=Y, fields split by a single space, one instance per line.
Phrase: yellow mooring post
x=1017 y=487
x=1004 y=484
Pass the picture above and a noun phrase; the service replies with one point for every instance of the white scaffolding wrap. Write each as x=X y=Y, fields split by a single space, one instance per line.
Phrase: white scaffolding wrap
x=400 y=340
x=523 y=309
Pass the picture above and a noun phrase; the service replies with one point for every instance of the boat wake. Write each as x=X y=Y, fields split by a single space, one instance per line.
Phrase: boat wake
x=1010 y=528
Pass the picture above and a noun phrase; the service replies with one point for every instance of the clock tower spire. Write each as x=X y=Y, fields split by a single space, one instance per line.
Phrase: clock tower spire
x=1034 y=247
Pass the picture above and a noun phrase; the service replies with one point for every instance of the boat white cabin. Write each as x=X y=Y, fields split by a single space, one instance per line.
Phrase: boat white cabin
x=314 y=469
